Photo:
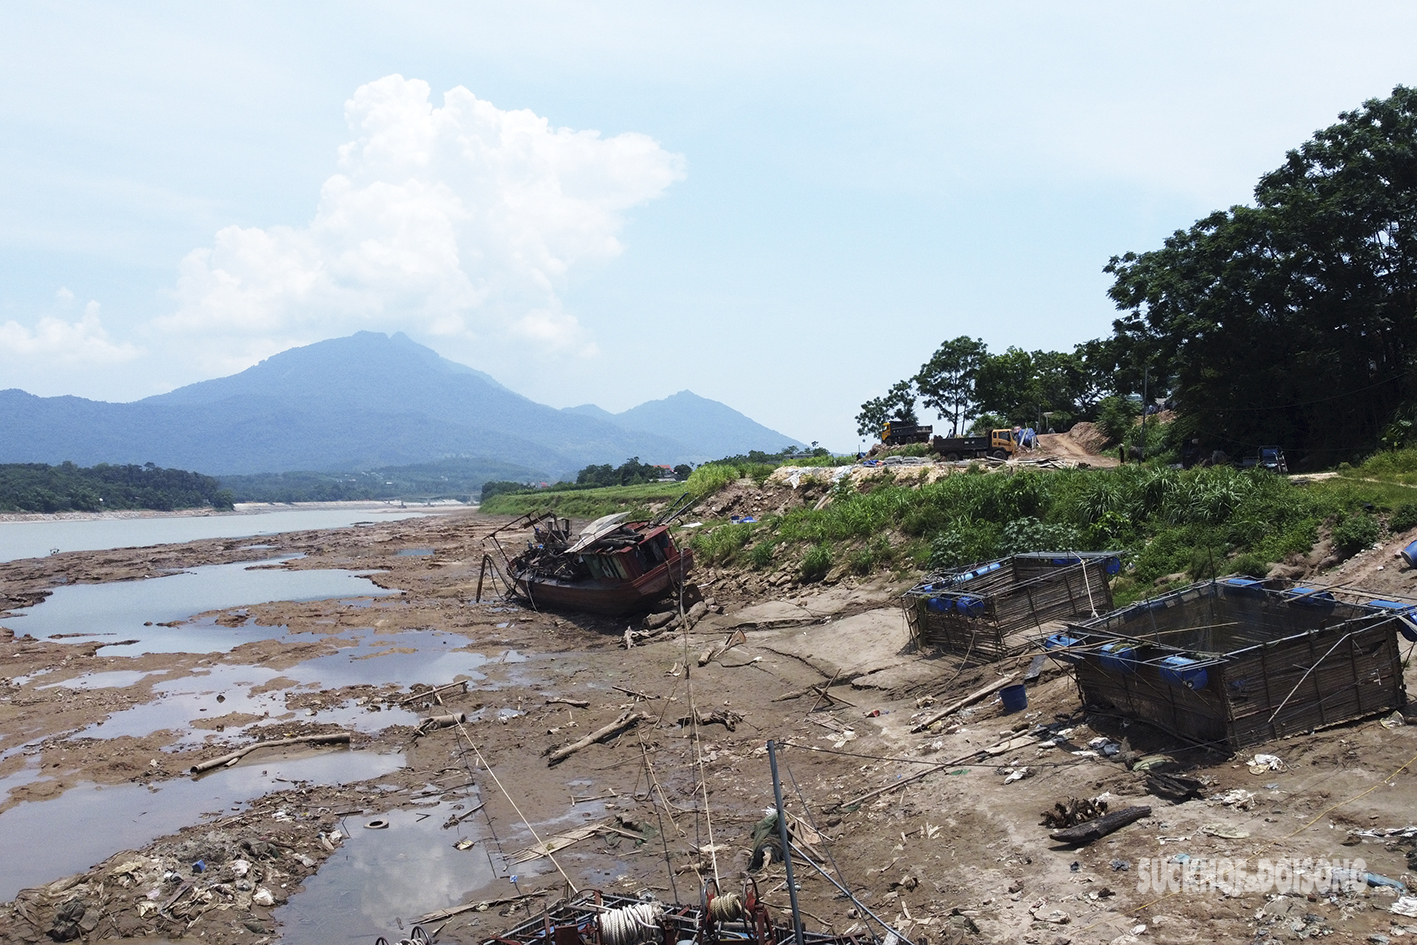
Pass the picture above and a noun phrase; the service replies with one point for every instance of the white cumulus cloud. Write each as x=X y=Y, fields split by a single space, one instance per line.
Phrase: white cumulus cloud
x=455 y=221
x=54 y=341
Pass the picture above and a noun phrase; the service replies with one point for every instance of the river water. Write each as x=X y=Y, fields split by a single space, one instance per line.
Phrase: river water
x=37 y=539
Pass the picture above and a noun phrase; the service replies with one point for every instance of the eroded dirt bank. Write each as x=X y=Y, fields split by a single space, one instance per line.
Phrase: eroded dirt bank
x=247 y=851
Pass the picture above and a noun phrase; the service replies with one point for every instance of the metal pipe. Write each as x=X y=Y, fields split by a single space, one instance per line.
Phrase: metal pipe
x=786 y=844
x=848 y=894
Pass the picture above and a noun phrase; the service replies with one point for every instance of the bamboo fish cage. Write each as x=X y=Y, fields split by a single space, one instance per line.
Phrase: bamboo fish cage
x=1236 y=662
x=989 y=611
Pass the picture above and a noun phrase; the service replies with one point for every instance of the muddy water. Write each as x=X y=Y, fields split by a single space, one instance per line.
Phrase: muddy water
x=380 y=881
x=37 y=539
x=133 y=610
x=195 y=704
x=89 y=823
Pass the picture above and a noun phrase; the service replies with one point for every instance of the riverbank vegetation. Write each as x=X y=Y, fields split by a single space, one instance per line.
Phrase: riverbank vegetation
x=38 y=487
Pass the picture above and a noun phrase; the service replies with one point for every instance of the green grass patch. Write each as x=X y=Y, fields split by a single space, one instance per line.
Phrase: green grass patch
x=588 y=503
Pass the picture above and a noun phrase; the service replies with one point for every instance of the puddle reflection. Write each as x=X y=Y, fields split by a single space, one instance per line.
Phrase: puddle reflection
x=379 y=877
x=132 y=610
x=90 y=823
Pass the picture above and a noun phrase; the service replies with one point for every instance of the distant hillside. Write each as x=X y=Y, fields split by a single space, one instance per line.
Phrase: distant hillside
x=37 y=487
x=360 y=403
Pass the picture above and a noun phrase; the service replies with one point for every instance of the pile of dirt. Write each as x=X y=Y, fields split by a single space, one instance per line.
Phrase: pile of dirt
x=1088 y=436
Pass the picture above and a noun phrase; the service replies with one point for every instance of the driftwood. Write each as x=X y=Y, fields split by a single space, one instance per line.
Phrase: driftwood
x=1174 y=787
x=634 y=692
x=955 y=706
x=626 y=720
x=231 y=757
x=1083 y=834
x=728 y=717
x=441 y=721
x=562 y=700
x=480 y=906
x=430 y=693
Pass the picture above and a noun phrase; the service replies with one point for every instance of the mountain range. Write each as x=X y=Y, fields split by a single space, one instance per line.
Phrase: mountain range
x=362 y=402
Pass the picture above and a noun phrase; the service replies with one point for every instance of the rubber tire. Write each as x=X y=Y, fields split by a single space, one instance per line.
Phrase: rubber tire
x=999 y=454
x=952 y=457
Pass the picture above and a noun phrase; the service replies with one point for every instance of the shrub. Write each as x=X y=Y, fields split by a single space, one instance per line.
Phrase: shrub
x=1250 y=564
x=1403 y=517
x=816 y=563
x=1355 y=532
x=762 y=554
x=719 y=545
x=967 y=541
x=1116 y=416
x=1029 y=534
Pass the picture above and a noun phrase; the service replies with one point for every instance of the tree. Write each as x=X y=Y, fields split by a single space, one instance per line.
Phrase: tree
x=1293 y=320
x=946 y=382
x=1005 y=385
x=897 y=404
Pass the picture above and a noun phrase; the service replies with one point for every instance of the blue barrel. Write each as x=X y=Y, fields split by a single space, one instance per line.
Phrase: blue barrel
x=1061 y=641
x=1112 y=566
x=1244 y=587
x=940 y=605
x=1015 y=697
x=1409 y=554
x=1118 y=657
x=970 y=606
x=1183 y=671
x=1406 y=614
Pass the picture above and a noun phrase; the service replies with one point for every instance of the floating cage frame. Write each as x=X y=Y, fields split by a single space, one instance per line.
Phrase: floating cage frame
x=1237 y=662
x=989 y=611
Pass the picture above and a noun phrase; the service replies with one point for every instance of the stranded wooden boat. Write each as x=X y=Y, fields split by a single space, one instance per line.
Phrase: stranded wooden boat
x=611 y=567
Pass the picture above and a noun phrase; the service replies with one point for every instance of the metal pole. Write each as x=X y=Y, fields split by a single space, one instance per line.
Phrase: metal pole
x=786 y=845
x=849 y=895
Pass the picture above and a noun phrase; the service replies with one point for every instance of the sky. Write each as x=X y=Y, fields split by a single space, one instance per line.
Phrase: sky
x=784 y=207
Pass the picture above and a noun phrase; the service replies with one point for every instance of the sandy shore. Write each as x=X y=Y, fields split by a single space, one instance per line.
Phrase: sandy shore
x=955 y=856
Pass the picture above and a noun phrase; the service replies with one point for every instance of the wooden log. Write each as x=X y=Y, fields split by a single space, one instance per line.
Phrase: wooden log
x=231 y=757
x=974 y=696
x=1083 y=834
x=562 y=700
x=430 y=693
x=626 y=720
x=634 y=692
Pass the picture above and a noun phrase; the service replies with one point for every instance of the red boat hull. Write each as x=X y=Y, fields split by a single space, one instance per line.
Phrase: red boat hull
x=611 y=598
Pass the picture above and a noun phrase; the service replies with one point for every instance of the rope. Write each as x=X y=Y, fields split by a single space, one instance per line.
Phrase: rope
x=727 y=907
x=505 y=793
x=698 y=745
x=1087 y=583
x=631 y=925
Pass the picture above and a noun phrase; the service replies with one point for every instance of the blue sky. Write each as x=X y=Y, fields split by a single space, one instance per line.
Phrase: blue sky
x=784 y=207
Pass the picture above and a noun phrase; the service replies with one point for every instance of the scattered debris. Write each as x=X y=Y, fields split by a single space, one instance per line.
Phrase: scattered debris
x=1072 y=812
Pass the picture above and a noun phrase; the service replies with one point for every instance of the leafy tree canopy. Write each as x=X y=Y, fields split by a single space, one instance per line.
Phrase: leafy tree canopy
x=1294 y=320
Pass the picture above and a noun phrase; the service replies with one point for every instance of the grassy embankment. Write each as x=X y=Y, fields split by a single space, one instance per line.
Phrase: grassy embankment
x=1173 y=526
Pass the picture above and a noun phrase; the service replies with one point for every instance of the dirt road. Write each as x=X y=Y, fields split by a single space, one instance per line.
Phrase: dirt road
x=313 y=844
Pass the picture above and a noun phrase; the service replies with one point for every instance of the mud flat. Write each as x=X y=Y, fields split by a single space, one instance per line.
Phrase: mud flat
x=106 y=834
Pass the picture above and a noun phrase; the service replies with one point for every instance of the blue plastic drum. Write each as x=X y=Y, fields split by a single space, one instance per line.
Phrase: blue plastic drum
x=1184 y=671
x=1118 y=657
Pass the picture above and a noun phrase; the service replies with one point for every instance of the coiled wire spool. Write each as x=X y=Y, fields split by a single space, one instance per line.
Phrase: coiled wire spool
x=417 y=937
x=631 y=925
x=727 y=907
